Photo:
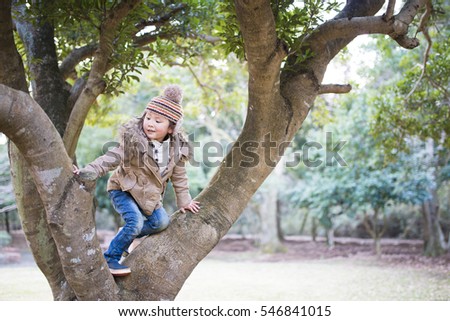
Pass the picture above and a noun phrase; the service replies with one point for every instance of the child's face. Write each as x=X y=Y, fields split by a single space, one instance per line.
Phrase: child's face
x=155 y=126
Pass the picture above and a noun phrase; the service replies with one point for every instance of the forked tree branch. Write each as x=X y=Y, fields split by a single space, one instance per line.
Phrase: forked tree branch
x=263 y=50
x=75 y=57
x=396 y=28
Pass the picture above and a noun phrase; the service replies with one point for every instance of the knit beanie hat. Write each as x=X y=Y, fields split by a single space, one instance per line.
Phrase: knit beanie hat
x=168 y=104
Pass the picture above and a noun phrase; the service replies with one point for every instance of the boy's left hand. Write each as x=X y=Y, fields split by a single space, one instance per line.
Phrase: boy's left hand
x=194 y=207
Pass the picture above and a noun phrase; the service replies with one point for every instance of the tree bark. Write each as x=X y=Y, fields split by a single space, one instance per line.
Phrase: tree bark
x=48 y=87
x=34 y=224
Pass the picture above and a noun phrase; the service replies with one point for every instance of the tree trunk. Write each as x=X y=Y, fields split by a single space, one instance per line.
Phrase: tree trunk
x=377 y=233
x=269 y=240
x=8 y=228
x=279 y=228
x=330 y=237
x=314 y=229
x=48 y=86
x=34 y=224
x=434 y=241
x=303 y=224
x=67 y=206
x=377 y=243
x=373 y=229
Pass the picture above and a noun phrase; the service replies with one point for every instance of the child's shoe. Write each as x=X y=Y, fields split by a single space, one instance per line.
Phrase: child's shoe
x=117 y=269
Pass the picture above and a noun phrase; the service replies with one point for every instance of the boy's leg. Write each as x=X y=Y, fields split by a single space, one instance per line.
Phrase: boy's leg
x=155 y=223
x=125 y=205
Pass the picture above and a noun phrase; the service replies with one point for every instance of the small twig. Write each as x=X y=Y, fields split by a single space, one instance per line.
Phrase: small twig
x=204 y=86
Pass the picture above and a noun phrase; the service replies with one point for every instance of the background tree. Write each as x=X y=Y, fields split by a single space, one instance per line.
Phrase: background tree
x=287 y=49
x=416 y=106
x=364 y=184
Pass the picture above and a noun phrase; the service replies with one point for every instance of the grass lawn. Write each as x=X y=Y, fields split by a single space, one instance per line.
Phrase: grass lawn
x=233 y=277
x=23 y=283
x=346 y=279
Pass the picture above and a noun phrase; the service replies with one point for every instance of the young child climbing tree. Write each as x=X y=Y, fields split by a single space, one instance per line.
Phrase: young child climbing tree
x=151 y=151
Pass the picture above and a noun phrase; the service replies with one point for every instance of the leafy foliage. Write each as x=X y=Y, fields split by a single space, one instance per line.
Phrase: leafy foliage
x=418 y=104
x=368 y=182
x=155 y=31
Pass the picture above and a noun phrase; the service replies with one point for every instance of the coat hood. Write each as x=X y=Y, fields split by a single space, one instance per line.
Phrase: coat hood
x=132 y=131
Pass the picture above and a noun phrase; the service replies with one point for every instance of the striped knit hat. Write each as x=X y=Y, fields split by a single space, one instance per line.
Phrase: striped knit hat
x=168 y=104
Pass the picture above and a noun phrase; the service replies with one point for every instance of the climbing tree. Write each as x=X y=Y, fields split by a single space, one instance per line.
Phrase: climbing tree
x=75 y=51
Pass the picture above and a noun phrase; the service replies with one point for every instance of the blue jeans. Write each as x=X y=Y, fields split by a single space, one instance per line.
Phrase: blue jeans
x=136 y=223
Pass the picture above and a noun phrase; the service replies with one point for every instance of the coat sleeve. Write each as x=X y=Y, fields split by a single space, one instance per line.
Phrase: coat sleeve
x=181 y=185
x=105 y=163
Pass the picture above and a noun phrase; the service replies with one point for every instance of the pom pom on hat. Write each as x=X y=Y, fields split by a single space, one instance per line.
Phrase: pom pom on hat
x=168 y=104
x=173 y=93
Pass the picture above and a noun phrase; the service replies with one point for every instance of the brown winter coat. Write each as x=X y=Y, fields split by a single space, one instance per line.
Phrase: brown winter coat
x=136 y=172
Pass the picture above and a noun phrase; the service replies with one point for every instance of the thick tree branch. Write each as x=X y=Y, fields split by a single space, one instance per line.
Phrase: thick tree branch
x=75 y=57
x=20 y=119
x=360 y=8
x=334 y=89
x=335 y=34
x=95 y=84
x=163 y=19
x=263 y=50
x=48 y=87
x=150 y=37
x=389 y=11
